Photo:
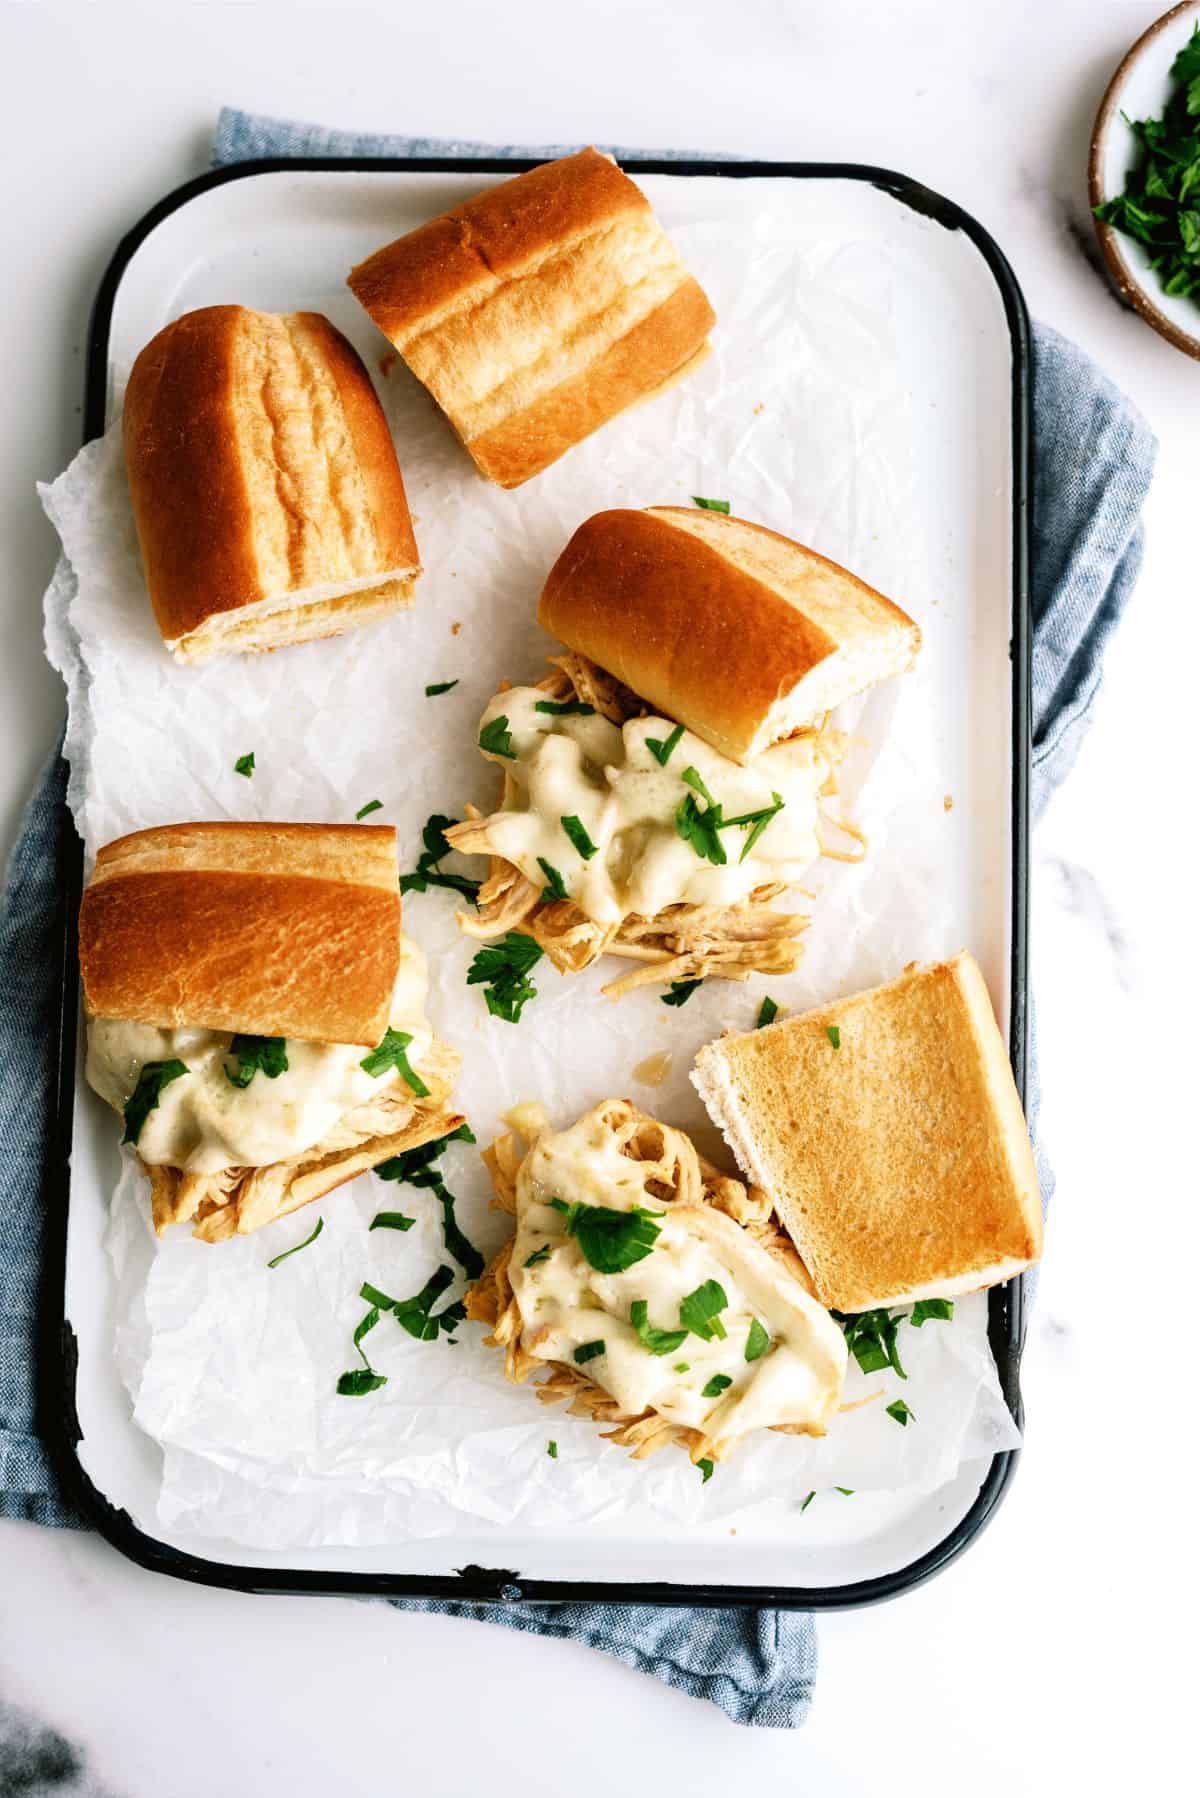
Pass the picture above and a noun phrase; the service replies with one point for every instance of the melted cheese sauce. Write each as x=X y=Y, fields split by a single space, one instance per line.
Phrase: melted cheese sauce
x=564 y=1302
x=203 y=1123
x=606 y=776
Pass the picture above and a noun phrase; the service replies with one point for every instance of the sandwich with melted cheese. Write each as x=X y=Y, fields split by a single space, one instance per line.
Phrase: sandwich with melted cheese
x=269 y=504
x=538 y=310
x=887 y=1130
x=256 y=1017
x=669 y=780
x=656 y=1295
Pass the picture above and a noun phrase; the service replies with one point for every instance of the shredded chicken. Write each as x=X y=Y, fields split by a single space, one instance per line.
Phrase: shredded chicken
x=676 y=1174
x=239 y=1199
x=683 y=942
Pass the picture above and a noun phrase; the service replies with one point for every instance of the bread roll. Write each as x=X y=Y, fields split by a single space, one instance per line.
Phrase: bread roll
x=288 y=930
x=897 y=1158
x=269 y=504
x=736 y=632
x=538 y=310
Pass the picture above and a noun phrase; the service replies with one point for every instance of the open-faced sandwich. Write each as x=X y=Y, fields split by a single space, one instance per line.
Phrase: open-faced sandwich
x=539 y=309
x=659 y=1296
x=668 y=781
x=267 y=496
x=256 y=1017
x=887 y=1165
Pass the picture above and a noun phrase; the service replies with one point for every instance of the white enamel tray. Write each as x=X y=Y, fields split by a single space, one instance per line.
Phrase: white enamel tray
x=281 y=236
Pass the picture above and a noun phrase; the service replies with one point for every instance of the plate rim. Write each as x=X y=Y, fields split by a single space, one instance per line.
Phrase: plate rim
x=58 y=1359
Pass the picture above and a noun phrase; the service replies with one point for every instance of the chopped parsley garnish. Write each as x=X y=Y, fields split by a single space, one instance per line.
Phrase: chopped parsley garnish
x=415 y=1167
x=565 y=708
x=807 y=1502
x=245 y=765
x=1160 y=205
x=662 y=750
x=538 y=1256
x=552 y=1450
x=440 y=686
x=300 y=1245
x=656 y=1342
x=871 y=1339
x=682 y=1367
x=846 y=1491
x=417 y=1316
x=710 y=505
x=372 y=805
x=256 y=1054
x=768 y=1011
x=706 y=1470
x=412 y=1165
x=503 y=968
x=392 y=1220
x=759 y=820
x=579 y=836
x=692 y=778
x=716 y=1386
x=699 y=1311
x=757 y=1342
x=833 y=1032
x=587 y=1351
x=900 y=1411
x=359 y=1381
x=701 y=829
x=610 y=1240
x=145 y=1096
x=392 y=1053
x=496 y=739
x=428 y=871
x=680 y=991
x=941 y=1310
x=554 y=888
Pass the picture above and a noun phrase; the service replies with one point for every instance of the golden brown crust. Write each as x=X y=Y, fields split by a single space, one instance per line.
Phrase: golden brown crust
x=259 y=465
x=495 y=235
x=714 y=620
x=538 y=309
x=644 y=359
x=268 y=929
x=899 y=1160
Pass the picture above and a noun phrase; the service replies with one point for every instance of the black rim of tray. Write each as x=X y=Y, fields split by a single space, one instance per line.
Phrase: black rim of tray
x=59 y=1358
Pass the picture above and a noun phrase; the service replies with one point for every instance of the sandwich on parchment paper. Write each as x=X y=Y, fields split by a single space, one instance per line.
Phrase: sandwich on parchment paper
x=267 y=496
x=256 y=1016
x=657 y=1295
x=538 y=310
x=668 y=781
x=887 y=1129
x=886 y=1164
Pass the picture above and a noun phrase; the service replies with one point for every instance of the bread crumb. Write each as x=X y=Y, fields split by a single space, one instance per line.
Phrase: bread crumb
x=387 y=363
x=761 y=407
x=948 y=803
x=456 y=627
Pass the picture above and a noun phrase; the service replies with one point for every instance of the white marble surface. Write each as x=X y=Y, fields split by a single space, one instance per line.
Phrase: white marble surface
x=1055 y=1655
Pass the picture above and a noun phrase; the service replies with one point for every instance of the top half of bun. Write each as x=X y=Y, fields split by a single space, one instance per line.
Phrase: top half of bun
x=265 y=929
x=733 y=630
x=260 y=464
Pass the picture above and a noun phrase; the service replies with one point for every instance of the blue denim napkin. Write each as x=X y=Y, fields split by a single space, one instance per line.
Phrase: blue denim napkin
x=1094 y=457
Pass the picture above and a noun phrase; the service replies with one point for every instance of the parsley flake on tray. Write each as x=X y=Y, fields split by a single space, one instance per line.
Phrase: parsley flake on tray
x=711 y=505
x=295 y=1250
x=503 y=968
x=439 y=687
x=680 y=991
x=416 y=1168
x=245 y=765
x=364 y=811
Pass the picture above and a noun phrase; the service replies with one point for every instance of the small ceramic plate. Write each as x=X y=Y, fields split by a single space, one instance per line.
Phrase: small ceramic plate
x=1140 y=90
